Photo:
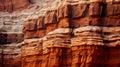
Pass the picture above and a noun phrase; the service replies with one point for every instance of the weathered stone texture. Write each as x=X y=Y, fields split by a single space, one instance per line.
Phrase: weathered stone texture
x=85 y=35
x=75 y=34
x=12 y=5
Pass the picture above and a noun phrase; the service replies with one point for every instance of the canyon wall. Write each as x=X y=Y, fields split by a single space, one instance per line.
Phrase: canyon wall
x=12 y=5
x=11 y=23
x=73 y=34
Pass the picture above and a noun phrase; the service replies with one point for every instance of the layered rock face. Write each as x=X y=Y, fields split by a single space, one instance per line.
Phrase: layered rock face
x=11 y=24
x=12 y=5
x=73 y=34
x=11 y=35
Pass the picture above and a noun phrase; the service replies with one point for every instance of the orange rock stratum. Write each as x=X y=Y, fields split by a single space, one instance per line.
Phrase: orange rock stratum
x=60 y=33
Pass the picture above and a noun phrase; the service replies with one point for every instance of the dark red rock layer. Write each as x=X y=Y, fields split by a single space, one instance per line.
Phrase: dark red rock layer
x=12 y=5
x=11 y=38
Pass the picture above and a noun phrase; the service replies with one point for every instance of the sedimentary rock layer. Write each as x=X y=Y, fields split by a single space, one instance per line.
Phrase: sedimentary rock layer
x=12 y=5
x=75 y=34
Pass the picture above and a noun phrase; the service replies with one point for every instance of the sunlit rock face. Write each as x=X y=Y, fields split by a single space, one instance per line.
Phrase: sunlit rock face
x=68 y=33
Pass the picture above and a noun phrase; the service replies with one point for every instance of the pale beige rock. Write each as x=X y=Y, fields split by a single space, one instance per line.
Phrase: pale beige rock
x=60 y=31
x=88 y=28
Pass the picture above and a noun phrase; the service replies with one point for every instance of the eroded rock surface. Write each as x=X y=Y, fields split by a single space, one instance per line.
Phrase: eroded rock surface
x=73 y=33
x=12 y=5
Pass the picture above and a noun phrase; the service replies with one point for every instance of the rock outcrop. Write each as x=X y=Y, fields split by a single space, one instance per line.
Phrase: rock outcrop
x=73 y=34
x=12 y=5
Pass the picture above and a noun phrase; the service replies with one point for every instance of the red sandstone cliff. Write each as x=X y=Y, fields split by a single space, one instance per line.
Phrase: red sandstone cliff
x=74 y=34
x=12 y=5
